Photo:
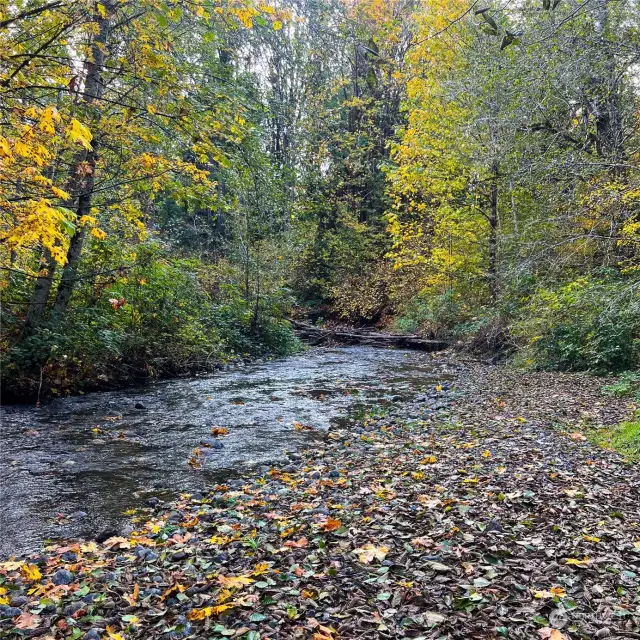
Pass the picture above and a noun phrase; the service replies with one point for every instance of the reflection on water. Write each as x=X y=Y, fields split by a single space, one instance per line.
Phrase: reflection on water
x=104 y=453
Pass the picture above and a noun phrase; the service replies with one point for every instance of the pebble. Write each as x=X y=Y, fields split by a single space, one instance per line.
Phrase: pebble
x=9 y=612
x=93 y=634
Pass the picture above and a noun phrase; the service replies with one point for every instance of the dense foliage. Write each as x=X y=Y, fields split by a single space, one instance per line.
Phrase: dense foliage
x=174 y=176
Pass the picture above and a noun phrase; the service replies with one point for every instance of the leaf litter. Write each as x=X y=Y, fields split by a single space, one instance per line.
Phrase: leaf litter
x=484 y=519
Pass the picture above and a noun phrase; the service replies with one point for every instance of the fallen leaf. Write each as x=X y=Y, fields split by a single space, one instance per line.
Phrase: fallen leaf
x=547 y=633
x=331 y=524
x=369 y=552
x=27 y=620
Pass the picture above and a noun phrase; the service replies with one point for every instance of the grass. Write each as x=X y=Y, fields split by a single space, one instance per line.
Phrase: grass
x=625 y=439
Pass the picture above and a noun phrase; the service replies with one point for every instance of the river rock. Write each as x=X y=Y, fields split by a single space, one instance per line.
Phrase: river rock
x=105 y=534
x=210 y=442
x=9 y=612
x=70 y=609
x=139 y=405
x=62 y=577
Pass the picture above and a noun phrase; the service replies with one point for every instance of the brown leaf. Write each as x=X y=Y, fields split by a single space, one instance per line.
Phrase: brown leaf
x=27 y=620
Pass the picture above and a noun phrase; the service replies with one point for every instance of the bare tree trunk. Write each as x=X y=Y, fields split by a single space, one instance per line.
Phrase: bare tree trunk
x=85 y=164
x=40 y=295
x=493 y=235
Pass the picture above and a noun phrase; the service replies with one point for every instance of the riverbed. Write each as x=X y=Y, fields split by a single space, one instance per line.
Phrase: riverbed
x=75 y=466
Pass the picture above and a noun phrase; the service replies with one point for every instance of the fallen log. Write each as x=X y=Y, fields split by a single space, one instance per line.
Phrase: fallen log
x=318 y=335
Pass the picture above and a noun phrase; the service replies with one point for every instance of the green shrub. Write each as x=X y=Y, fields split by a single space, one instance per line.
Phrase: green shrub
x=588 y=324
x=161 y=317
x=628 y=384
x=432 y=314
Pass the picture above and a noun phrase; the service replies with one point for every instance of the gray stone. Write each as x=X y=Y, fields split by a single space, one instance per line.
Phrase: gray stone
x=62 y=577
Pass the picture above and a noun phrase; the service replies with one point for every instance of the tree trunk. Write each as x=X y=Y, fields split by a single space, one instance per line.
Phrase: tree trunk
x=493 y=235
x=85 y=164
x=40 y=295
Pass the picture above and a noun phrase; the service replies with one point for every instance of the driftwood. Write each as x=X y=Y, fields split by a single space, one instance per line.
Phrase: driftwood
x=317 y=335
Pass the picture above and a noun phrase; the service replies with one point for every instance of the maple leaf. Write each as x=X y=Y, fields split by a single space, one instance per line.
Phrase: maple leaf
x=113 y=634
x=429 y=502
x=207 y=612
x=30 y=572
x=118 y=541
x=79 y=133
x=234 y=582
x=27 y=620
x=219 y=431
x=368 y=553
x=332 y=524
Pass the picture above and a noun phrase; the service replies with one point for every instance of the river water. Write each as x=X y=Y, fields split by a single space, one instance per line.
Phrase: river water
x=73 y=467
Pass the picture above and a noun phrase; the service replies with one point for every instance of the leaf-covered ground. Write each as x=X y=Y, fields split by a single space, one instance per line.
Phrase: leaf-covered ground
x=492 y=517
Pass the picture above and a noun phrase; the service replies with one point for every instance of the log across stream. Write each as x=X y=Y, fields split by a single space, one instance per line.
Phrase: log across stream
x=318 y=335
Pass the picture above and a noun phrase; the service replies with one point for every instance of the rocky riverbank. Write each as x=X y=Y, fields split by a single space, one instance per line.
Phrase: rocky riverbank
x=475 y=511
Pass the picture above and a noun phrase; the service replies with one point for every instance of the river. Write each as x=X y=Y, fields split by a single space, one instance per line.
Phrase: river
x=76 y=465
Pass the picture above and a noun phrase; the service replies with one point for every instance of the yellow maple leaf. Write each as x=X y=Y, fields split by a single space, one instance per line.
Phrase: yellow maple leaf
x=5 y=148
x=79 y=133
x=48 y=120
x=60 y=193
x=113 y=634
x=206 y=612
x=31 y=572
x=234 y=582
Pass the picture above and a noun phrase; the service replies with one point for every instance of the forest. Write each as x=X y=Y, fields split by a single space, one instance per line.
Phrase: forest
x=214 y=214
x=178 y=177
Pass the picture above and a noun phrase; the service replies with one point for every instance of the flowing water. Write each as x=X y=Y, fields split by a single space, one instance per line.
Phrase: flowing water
x=73 y=467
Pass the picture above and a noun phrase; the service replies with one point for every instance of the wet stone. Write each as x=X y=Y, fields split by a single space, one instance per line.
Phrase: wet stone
x=62 y=577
